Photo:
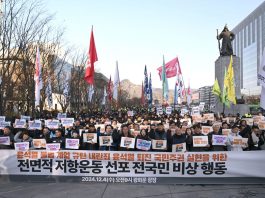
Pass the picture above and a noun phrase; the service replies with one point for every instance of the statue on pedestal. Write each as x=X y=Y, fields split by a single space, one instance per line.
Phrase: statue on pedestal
x=227 y=38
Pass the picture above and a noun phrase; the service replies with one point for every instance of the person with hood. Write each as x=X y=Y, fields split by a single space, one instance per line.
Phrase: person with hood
x=23 y=136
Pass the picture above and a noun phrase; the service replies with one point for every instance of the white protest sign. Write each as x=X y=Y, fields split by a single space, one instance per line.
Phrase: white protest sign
x=168 y=110
x=249 y=121
x=2 y=118
x=239 y=141
x=61 y=115
x=53 y=147
x=90 y=137
x=35 y=125
x=195 y=111
x=200 y=141
x=206 y=130
x=105 y=140
x=20 y=123
x=23 y=117
x=22 y=146
x=219 y=140
x=127 y=142
x=144 y=145
x=4 y=124
x=67 y=122
x=53 y=124
x=257 y=119
x=208 y=116
x=196 y=118
x=5 y=140
x=71 y=143
x=179 y=147
x=159 y=110
x=159 y=144
x=39 y=143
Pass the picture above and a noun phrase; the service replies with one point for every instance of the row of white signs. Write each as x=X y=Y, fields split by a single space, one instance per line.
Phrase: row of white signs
x=126 y=142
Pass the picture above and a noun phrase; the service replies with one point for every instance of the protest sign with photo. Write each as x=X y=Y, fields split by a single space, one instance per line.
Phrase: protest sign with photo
x=39 y=143
x=127 y=142
x=67 y=122
x=20 y=123
x=179 y=147
x=71 y=143
x=249 y=121
x=239 y=141
x=35 y=125
x=105 y=140
x=21 y=146
x=206 y=130
x=144 y=127
x=90 y=137
x=53 y=147
x=130 y=113
x=219 y=140
x=159 y=144
x=257 y=119
x=5 y=140
x=200 y=141
x=144 y=145
x=197 y=118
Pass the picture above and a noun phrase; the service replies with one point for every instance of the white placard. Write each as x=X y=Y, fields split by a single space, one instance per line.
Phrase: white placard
x=159 y=144
x=168 y=110
x=2 y=119
x=179 y=147
x=23 y=117
x=35 y=125
x=61 y=115
x=5 y=140
x=90 y=137
x=39 y=143
x=53 y=147
x=144 y=145
x=105 y=140
x=4 y=124
x=20 y=123
x=71 y=143
x=127 y=142
x=53 y=124
x=200 y=141
x=22 y=146
x=219 y=140
x=67 y=122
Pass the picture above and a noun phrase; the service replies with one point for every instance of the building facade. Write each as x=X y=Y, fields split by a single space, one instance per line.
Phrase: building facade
x=248 y=44
x=206 y=96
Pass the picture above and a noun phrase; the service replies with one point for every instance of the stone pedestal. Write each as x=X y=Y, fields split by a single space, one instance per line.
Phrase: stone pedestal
x=220 y=64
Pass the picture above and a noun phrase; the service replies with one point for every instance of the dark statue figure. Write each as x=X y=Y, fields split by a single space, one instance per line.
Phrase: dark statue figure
x=227 y=38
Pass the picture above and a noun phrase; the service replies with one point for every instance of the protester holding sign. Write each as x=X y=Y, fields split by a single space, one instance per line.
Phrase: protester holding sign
x=115 y=137
x=45 y=134
x=59 y=138
x=125 y=133
x=178 y=137
x=216 y=131
x=90 y=145
x=235 y=141
x=23 y=136
x=198 y=132
x=7 y=132
x=160 y=134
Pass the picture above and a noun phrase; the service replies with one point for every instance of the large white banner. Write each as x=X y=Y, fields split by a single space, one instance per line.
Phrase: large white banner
x=133 y=164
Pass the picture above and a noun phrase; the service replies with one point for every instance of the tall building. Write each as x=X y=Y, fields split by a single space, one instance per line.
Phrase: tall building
x=206 y=96
x=248 y=44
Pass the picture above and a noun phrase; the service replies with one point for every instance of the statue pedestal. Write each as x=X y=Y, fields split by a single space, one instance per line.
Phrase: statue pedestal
x=220 y=64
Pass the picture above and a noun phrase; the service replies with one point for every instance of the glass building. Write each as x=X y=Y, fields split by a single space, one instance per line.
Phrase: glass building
x=248 y=45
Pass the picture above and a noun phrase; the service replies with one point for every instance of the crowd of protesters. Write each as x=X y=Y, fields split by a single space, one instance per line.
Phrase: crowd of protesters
x=174 y=128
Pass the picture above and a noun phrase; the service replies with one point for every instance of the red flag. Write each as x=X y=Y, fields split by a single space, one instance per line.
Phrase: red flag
x=92 y=58
x=172 y=68
x=109 y=91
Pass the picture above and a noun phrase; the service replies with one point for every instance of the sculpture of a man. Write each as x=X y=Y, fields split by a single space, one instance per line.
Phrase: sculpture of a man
x=227 y=38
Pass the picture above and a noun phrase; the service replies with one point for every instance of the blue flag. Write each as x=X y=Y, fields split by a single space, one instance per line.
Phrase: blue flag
x=145 y=82
x=150 y=98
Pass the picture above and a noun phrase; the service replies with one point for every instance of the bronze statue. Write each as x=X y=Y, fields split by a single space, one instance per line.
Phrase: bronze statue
x=227 y=38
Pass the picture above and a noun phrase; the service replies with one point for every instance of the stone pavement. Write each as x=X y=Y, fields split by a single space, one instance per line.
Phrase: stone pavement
x=100 y=190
